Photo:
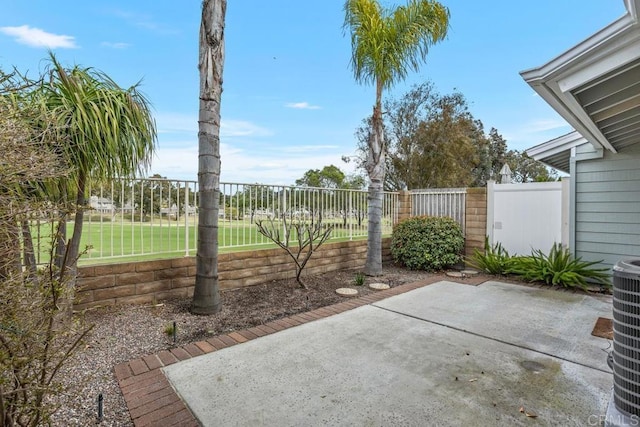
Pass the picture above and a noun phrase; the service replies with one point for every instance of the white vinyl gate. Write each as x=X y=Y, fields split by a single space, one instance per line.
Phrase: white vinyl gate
x=528 y=216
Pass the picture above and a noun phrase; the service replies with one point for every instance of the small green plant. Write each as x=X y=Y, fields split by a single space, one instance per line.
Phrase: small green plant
x=427 y=243
x=170 y=329
x=359 y=279
x=559 y=268
x=493 y=260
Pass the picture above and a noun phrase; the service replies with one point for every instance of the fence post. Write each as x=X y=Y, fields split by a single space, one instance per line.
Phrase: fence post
x=490 y=209
x=405 y=205
x=186 y=218
x=349 y=215
x=475 y=220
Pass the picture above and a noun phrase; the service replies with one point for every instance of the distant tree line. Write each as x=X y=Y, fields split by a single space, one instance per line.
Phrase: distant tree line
x=433 y=141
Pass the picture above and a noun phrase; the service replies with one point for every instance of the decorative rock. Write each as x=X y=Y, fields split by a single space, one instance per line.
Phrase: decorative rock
x=379 y=286
x=469 y=272
x=346 y=292
x=455 y=274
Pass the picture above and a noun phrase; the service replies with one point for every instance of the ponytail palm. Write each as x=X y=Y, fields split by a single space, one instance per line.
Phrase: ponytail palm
x=106 y=132
x=387 y=44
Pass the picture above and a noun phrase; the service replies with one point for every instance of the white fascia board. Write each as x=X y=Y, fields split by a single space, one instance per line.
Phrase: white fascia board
x=616 y=44
x=566 y=105
x=556 y=146
x=633 y=6
x=620 y=50
x=569 y=58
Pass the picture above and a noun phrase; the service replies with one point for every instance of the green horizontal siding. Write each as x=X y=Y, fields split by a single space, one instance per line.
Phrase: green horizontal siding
x=609 y=196
x=616 y=217
x=609 y=207
x=623 y=175
x=606 y=186
x=622 y=251
x=608 y=227
x=607 y=238
x=607 y=221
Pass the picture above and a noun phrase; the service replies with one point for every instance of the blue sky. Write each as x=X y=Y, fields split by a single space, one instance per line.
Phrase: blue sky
x=290 y=102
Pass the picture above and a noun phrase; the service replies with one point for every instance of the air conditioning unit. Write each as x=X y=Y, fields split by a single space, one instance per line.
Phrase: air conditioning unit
x=626 y=338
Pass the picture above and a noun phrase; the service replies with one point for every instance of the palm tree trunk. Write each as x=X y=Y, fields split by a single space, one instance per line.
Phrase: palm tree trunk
x=61 y=232
x=375 y=166
x=28 y=252
x=206 y=296
x=74 y=244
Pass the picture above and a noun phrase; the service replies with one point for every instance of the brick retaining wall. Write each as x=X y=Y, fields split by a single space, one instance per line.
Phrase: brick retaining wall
x=147 y=281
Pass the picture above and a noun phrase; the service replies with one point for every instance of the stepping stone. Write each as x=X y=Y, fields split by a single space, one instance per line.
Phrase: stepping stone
x=456 y=274
x=379 y=286
x=347 y=292
x=469 y=272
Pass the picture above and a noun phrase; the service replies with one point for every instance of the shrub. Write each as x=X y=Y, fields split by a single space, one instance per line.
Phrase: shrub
x=231 y=213
x=559 y=268
x=359 y=279
x=427 y=243
x=96 y=218
x=493 y=260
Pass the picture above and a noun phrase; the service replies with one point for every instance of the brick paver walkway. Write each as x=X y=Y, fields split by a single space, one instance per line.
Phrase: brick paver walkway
x=153 y=402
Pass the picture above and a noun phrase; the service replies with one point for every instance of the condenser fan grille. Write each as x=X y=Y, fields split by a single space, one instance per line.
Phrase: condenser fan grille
x=626 y=336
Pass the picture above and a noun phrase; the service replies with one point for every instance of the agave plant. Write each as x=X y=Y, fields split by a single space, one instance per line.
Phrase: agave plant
x=559 y=268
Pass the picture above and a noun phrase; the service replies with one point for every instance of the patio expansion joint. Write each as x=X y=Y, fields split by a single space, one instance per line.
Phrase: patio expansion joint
x=523 y=347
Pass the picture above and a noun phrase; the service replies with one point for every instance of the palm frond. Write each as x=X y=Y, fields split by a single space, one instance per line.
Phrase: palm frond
x=109 y=131
x=388 y=43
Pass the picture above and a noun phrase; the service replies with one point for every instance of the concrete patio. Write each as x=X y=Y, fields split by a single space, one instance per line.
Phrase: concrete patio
x=444 y=354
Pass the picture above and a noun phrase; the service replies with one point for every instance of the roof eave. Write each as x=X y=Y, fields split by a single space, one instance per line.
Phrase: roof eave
x=553 y=81
x=557 y=152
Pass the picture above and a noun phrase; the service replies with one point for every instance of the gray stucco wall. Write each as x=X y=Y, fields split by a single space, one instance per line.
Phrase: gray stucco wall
x=607 y=207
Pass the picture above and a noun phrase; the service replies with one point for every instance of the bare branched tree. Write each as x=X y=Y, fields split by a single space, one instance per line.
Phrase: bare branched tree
x=310 y=234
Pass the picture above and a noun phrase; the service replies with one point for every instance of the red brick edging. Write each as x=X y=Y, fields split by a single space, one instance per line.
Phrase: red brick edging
x=151 y=399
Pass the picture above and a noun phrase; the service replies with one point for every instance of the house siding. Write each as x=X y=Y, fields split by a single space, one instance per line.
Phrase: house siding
x=607 y=207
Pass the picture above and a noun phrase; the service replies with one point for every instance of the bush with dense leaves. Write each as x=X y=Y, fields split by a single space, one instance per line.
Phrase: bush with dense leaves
x=427 y=243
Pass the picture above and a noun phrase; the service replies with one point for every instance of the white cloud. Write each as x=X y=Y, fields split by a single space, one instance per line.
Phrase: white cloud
x=534 y=132
x=176 y=122
x=137 y=19
x=308 y=148
x=302 y=106
x=232 y=128
x=544 y=125
x=144 y=21
x=35 y=37
x=279 y=169
x=241 y=166
x=118 y=45
x=179 y=123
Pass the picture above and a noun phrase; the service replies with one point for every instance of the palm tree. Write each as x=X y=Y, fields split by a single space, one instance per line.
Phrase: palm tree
x=106 y=132
x=386 y=44
x=206 y=298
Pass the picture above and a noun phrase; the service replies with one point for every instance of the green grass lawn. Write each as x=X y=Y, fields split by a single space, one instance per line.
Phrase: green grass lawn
x=116 y=242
